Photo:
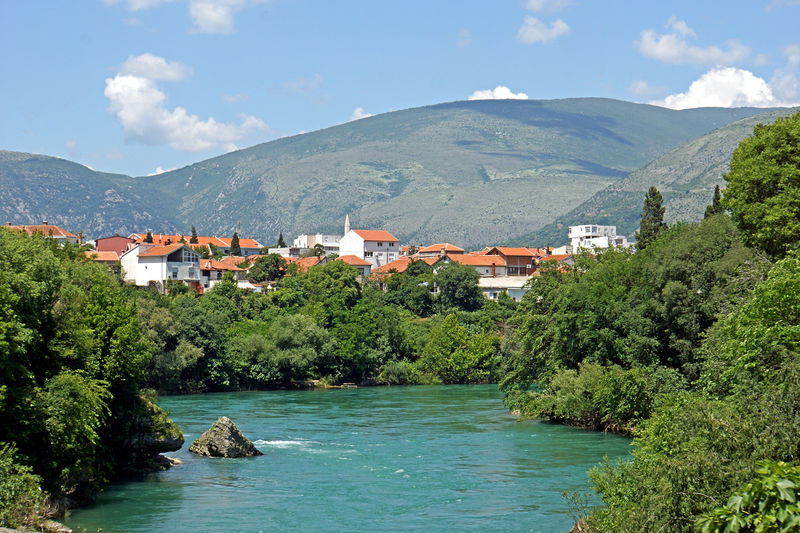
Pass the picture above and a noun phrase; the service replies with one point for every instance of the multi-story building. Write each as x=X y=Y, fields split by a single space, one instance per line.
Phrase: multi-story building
x=378 y=247
x=591 y=236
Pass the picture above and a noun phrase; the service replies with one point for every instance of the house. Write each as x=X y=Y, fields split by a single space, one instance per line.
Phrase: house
x=591 y=236
x=514 y=286
x=211 y=272
x=108 y=258
x=248 y=246
x=561 y=259
x=486 y=265
x=518 y=261
x=439 y=249
x=115 y=243
x=330 y=243
x=153 y=265
x=361 y=265
x=378 y=247
x=60 y=235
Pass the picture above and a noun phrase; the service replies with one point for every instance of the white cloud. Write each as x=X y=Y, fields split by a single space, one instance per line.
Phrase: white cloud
x=140 y=108
x=498 y=93
x=137 y=5
x=464 y=39
x=155 y=68
x=546 y=5
x=160 y=170
x=214 y=16
x=534 y=30
x=785 y=81
x=642 y=88
x=726 y=87
x=359 y=113
x=760 y=60
x=674 y=47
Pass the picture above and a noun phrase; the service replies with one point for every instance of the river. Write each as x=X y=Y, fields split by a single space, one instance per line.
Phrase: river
x=446 y=458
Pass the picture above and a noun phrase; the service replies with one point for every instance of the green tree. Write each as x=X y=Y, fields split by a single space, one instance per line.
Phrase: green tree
x=267 y=268
x=193 y=239
x=148 y=237
x=715 y=207
x=454 y=356
x=458 y=287
x=652 y=222
x=763 y=192
x=235 y=248
x=281 y=242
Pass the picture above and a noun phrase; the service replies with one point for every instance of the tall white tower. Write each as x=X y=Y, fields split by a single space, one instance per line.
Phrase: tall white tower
x=346 y=224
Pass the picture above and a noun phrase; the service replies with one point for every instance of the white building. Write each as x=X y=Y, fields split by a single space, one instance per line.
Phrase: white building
x=514 y=286
x=329 y=242
x=591 y=236
x=148 y=264
x=378 y=247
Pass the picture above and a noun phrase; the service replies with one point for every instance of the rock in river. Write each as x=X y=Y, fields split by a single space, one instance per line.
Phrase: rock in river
x=224 y=439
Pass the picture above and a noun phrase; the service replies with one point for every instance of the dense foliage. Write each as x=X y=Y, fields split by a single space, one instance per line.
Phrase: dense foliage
x=73 y=361
x=763 y=190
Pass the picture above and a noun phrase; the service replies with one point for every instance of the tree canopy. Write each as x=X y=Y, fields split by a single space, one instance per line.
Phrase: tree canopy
x=763 y=192
x=652 y=222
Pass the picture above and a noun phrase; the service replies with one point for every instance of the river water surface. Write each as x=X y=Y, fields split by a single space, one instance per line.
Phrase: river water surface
x=447 y=458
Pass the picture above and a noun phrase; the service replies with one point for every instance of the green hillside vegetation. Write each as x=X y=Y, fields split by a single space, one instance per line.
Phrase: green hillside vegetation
x=686 y=178
x=474 y=173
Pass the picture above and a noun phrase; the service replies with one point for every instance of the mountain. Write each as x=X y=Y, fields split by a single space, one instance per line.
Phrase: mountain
x=473 y=173
x=686 y=178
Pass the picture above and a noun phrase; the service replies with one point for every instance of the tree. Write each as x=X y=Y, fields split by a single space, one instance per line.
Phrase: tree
x=148 y=237
x=763 y=192
x=715 y=207
x=267 y=268
x=317 y=251
x=281 y=242
x=652 y=219
x=194 y=239
x=235 y=248
x=458 y=287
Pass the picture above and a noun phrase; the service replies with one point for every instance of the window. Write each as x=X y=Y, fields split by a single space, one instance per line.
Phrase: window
x=391 y=244
x=367 y=254
x=380 y=244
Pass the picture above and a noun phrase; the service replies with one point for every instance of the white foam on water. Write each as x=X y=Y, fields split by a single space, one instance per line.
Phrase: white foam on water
x=282 y=443
x=399 y=471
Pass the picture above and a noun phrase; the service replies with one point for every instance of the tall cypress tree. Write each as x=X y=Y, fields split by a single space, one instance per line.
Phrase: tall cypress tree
x=193 y=239
x=281 y=242
x=652 y=219
x=148 y=237
x=235 y=248
x=716 y=205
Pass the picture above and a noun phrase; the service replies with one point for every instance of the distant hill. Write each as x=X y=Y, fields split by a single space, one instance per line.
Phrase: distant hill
x=472 y=173
x=686 y=178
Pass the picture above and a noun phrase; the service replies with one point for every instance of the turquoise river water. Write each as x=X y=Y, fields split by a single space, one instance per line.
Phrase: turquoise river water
x=447 y=458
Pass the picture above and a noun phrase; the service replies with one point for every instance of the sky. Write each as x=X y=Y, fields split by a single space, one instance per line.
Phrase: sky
x=140 y=87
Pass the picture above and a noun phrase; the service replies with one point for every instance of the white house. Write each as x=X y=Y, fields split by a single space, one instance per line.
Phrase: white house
x=514 y=286
x=147 y=264
x=329 y=242
x=378 y=247
x=591 y=236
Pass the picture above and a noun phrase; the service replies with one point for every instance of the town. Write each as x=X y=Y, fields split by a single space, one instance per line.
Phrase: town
x=157 y=260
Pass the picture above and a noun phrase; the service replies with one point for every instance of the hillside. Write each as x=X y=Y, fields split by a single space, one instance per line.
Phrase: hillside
x=686 y=178
x=469 y=172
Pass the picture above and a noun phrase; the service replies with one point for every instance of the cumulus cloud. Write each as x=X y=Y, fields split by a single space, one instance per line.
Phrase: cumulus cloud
x=785 y=81
x=208 y=16
x=141 y=109
x=546 y=5
x=725 y=87
x=160 y=170
x=674 y=47
x=359 y=113
x=642 y=88
x=498 y=93
x=534 y=30
x=464 y=39
x=155 y=68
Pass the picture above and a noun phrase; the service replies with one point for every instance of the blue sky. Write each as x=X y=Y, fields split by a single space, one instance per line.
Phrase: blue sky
x=139 y=86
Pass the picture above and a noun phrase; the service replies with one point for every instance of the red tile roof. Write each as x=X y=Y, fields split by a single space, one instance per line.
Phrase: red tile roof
x=376 y=235
x=303 y=263
x=524 y=252
x=101 y=256
x=48 y=230
x=443 y=247
x=221 y=242
x=353 y=260
x=213 y=264
x=478 y=260
x=160 y=251
x=400 y=265
x=557 y=257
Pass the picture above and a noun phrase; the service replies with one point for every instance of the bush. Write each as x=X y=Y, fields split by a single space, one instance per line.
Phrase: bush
x=21 y=499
